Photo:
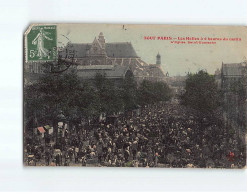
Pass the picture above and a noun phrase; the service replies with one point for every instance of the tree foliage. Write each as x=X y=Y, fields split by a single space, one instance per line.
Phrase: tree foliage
x=52 y=93
x=129 y=92
x=151 y=92
x=109 y=96
x=201 y=92
x=77 y=99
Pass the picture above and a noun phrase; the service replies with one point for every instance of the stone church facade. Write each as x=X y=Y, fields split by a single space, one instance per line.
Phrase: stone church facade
x=100 y=55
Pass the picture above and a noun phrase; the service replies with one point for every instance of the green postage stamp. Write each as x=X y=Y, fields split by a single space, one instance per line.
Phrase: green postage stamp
x=41 y=43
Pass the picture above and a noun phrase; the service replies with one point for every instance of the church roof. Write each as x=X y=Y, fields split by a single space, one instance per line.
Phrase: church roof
x=96 y=67
x=114 y=72
x=120 y=50
x=114 y=50
x=234 y=69
x=79 y=49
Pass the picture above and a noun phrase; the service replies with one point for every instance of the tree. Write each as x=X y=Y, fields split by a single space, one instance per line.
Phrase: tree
x=145 y=93
x=109 y=96
x=151 y=92
x=129 y=92
x=162 y=92
x=201 y=92
x=52 y=93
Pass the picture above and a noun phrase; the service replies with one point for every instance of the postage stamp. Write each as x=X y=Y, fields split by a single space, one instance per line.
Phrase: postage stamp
x=41 y=42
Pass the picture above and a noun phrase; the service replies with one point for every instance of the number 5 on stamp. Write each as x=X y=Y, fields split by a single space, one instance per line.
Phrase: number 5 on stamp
x=41 y=42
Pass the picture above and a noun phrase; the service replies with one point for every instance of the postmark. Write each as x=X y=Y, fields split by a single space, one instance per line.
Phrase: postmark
x=41 y=43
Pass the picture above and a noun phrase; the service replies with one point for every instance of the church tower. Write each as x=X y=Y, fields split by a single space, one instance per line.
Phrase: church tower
x=158 y=59
x=102 y=40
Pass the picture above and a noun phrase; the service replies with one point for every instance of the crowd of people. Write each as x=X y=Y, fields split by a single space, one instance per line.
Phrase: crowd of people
x=162 y=135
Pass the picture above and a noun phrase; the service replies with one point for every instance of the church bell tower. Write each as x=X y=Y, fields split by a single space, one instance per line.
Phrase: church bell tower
x=158 y=59
x=101 y=40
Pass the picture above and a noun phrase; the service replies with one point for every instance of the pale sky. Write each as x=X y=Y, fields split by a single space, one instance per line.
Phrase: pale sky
x=177 y=59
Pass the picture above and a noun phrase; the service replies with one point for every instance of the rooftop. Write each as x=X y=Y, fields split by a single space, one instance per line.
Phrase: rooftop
x=113 y=72
x=113 y=50
x=233 y=69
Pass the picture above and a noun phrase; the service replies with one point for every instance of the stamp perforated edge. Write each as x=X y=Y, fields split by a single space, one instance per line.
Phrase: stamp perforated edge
x=26 y=33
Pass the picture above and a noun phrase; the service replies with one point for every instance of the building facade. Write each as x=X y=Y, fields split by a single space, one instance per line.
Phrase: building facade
x=233 y=88
x=111 y=56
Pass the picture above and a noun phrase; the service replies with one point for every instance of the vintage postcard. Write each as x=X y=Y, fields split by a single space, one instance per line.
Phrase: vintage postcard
x=125 y=95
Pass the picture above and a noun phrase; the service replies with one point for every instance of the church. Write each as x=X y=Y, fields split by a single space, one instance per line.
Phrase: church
x=112 y=59
x=115 y=60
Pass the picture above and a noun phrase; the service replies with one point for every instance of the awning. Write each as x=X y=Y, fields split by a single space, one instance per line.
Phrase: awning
x=41 y=129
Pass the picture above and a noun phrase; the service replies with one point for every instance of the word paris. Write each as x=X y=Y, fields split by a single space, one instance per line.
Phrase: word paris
x=111 y=95
x=190 y=38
